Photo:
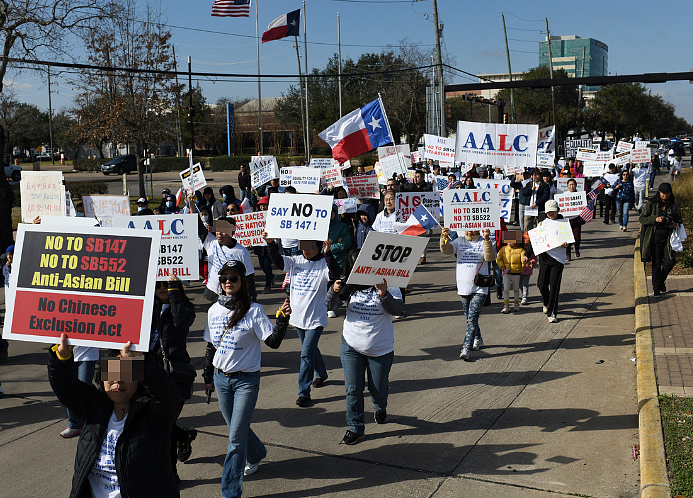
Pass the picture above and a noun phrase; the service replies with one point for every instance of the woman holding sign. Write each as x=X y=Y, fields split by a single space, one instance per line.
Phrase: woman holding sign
x=625 y=198
x=551 y=265
x=473 y=253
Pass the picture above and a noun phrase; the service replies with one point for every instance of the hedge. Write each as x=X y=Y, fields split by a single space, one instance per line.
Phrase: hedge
x=172 y=163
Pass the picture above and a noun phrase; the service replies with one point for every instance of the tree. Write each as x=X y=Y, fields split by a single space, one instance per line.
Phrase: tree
x=24 y=125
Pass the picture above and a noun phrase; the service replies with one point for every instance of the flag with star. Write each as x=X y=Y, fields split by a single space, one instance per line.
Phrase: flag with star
x=419 y=222
x=358 y=132
x=283 y=26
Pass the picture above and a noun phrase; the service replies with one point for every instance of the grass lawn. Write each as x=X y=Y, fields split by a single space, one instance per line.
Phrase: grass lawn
x=677 y=423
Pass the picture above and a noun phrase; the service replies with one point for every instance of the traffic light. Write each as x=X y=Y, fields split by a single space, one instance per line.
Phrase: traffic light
x=505 y=118
x=448 y=111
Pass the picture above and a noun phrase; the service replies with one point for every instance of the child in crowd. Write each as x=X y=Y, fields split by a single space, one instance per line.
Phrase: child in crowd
x=366 y=217
x=510 y=260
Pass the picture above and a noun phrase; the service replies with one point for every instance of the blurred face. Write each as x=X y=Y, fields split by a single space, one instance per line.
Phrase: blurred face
x=225 y=238
x=451 y=178
x=624 y=176
x=341 y=194
x=230 y=282
x=364 y=218
x=243 y=170
x=469 y=182
x=207 y=195
x=118 y=376
x=537 y=177
x=360 y=170
x=263 y=207
x=552 y=215
x=471 y=233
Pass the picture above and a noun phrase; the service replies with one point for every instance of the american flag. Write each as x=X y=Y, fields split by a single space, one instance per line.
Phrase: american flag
x=587 y=212
x=286 y=281
x=231 y=8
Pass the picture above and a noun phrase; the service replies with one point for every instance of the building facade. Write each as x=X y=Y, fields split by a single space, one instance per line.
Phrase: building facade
x=567 y=53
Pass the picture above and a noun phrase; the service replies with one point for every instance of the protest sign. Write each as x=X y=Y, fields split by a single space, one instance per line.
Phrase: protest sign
x=321 y=162
x=193 y=178
x=439 y=148
x=546 y=148
x=622 y=158
x=95 y=285
x=299 y=216
x=391 y=150
x=441 y=182
x=346 y=206
x=106 y=206
x=496 y=144
x=249 y=228
x=42 y=194
x=587 y=154
x=530 y=211
x=304 y=180
x=387 y=256
x=505 y=194
x=550 y=234
x=571 y=146
x=410 y=174
x=604 y=156
x=178 y=249
x=562 y=184
x=393 y=164
x=471 y=209
x=332 y=177
x=640 y=155
x=363 y=187
x=263 y=169
x=571 y=203
x=415 y=158
x=642 y=144
x=623 y=146
x=407 y=202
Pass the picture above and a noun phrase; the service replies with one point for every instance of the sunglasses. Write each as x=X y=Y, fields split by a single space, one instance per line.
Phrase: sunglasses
x=229 y=278
x=162 y=285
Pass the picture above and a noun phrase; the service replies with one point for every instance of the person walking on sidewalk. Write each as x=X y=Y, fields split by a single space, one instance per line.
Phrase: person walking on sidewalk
x=551 y=265
x=510 y=260
x=625 y=198
x=659 y=218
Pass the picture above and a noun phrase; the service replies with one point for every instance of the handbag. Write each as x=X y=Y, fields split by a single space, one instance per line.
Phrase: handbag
x=678 y=235
x=484 y=280
x=180 y=371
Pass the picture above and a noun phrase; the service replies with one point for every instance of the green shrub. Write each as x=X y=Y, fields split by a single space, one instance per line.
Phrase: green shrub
x=88 y=164
x=172 y=163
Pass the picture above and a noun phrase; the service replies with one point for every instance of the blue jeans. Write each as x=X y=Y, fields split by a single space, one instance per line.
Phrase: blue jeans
x=237 y=397
x=85 y=373
x=622 y=210
x=471 y=307
x=355 y=366
x=311 y=359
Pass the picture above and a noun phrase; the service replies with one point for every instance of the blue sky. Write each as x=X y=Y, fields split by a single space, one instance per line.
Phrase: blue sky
x=642 y=37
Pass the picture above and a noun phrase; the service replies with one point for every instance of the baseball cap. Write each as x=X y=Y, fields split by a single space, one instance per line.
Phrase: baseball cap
x=234 y=265
x=142 y=200
x=165 y=191
x=551 y=205
x=264 y=200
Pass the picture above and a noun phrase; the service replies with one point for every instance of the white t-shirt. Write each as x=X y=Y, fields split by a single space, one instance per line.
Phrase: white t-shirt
x=103 y=479
x=557 y=253
x=385 y=223
x=308 y=291
x=289 y=243
x=368 y=327
x=84 y=353
x=241 y=347
x=217 y=255
x=470 y=259
x=640 y=177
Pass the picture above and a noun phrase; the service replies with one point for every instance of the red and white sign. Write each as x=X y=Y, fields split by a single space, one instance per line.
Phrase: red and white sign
x=407 y=202
x=472 y=209
x=623 y=146
x=439 y=148
x=363 y=187
x=249 y=228
x=496 y=144
x=640 y=155
x=332 y=177
x=571 y=203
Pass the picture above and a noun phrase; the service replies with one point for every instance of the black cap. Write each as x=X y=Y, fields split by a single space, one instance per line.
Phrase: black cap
x=665 y=188
x=234 y=265
x=165 y=191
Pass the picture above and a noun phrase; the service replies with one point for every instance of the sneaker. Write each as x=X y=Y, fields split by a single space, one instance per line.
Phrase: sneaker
x=478 y=344
x=250 y=468
x=380 y=417
x=577 y=253
x=663 y=288
x=185 y=447
x=625 y=229
x=319 y=382
x=524 y=300
x=506 y=309
x=69 y=432
x=544 y=309
x=516 y=307
x=656 y=293
x=351 y=438
x=331 y=314
x=553 y=319
x=464 y=354
x=267 y=289
x=304 y=402
x=499 y=295
x=400 y=316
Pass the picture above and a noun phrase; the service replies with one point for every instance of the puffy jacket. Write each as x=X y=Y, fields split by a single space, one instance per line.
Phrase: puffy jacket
x=363 y=228
x=142 y=459
x=510 y=258
x=339 y=230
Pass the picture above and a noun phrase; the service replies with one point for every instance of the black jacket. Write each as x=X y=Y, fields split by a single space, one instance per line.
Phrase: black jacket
x=143 y=463
x=543 y=193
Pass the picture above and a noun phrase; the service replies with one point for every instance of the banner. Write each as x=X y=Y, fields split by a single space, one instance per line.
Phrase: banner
x=249 y=228
x=106 y=206
x=640 y=155
x=587 y=154
x=193 y=178
x=346 y=206
x=623 y=146
x=179 y=247
x=263 y=169
x=305 y=180
x=562 y=184
x=407 y=202
x=299 y=216
x=571 y=146
x=363 y=187
x=571 y=203
x=332 y=177
x=471 y=209
x=392 y=164
x=550 y=234
x=390 y=150
x=546 y=147
x=439 y=148
x=388 y=256
x=505 y=194
x=95 y=285
x=496 y=144
x=42 y=194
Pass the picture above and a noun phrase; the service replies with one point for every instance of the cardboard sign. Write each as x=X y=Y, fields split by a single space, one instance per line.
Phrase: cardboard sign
x=178 y=250
x=391 y=165
x=562 y=184
x=622 y=158
x=391 y=150
x=106 y=206
x=641 y=155
x=42 y=193
x=304 y=180
x=407 y=202
x=476 y=209
x=299 y=216
x=95 y=285
x=496 y=144
x=263 y=169
x=193 y=178
x=587 y=154
x=439 y=148
x=623 y=146
x=550 y=234
x=346 y=205
x=571 y=146
x=571 y=203
x=249 y=228
x=505 y=194
x=388 y=256
x=331 y=177
x=363 y=187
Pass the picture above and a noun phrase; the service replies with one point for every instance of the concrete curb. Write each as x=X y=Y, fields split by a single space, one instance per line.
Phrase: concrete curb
x=654 y=480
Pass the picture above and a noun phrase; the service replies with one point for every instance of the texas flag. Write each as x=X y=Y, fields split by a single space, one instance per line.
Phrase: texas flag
x=358 y=132
x=420 y=221
x=283 y=26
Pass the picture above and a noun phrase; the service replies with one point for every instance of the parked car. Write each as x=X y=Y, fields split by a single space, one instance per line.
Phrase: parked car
x=677 y=145
x=120 y=165
x=43 y=156
x=12 y=172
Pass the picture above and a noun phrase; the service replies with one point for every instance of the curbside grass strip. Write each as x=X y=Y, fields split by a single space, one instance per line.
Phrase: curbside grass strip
x=654 y=480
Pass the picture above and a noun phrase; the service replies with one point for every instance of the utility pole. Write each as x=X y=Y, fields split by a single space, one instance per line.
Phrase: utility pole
x=439 y=62
x=192 y=108
x=178 y=134
x=510 y=72
x=339 y=73
x=553 y=93
x=300 y=95
x=50 y=116
x=259 y=90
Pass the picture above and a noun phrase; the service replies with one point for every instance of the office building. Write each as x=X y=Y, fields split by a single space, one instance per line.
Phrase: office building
x=567 y=53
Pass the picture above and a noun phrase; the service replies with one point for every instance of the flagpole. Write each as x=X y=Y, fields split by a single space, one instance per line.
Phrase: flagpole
x=259 y=89
x=339 y=73
x=300 y=94
x=389 y=130
x=305 y=57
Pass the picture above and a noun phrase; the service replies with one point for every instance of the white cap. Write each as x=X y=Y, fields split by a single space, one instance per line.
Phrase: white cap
x=551 y=205
x=671 y=152
x=141 y=200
